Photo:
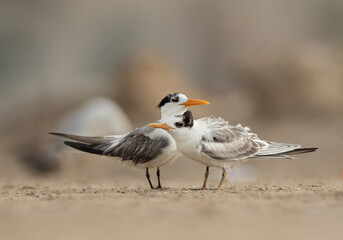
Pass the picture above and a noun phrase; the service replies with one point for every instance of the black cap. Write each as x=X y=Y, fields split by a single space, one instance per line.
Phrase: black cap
x=173 y=97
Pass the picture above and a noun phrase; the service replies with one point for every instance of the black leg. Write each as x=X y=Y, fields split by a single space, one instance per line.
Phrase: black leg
x=148 y=177
x=206 y=177
x=158 y=178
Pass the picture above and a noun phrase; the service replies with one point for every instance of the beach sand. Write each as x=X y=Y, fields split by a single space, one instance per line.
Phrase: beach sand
x=311 y=209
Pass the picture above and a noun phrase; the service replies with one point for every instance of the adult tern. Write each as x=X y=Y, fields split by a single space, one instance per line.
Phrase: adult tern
x=143 y=148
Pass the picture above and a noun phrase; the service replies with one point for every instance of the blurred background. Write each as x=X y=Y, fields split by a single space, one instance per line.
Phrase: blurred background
x=101 y=67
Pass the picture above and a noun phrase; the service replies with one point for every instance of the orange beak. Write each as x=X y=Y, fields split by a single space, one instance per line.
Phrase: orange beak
x=160 y=125
x=192 y=102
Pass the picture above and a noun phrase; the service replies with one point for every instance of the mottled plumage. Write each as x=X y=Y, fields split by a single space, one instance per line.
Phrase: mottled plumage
x=225 y=142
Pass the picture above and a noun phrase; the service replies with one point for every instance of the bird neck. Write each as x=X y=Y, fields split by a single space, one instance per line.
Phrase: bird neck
x=167 y=112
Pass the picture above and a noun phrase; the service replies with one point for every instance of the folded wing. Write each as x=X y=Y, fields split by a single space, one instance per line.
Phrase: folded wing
x=136 y=146
x=225 y=142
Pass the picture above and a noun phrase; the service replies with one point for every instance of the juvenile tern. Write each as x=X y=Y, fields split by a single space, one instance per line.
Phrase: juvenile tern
x=213 y=142
x=145 y=147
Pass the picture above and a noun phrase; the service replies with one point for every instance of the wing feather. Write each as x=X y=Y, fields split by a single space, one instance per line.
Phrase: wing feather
x=274 y=148
x=226 y=142
x=89 y=140
x=136 y=146
x=222 y=141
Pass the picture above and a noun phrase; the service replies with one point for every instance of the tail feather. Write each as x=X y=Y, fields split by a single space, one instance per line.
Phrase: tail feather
x=89 y=140
x=84 y=147
x=287 y=153
x=95 y=145
x=275 y=148
x=301 y=150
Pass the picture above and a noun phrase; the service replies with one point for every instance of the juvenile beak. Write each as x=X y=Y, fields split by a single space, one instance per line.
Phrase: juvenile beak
x=160 y=125
x=191 y=102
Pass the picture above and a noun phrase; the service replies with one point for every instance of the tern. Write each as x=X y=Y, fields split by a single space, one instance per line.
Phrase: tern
x=212 y=142
x=143 y=148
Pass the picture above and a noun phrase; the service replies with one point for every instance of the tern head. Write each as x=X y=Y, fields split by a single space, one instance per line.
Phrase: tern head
x=176 y=104
x=179 y=124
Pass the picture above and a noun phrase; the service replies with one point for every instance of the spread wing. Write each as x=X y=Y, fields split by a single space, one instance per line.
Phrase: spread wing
x=136 y=146
x=222 y=141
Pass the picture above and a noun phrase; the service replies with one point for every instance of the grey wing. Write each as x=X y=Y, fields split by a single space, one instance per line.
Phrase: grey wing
x=136 y=146
x=226 y=142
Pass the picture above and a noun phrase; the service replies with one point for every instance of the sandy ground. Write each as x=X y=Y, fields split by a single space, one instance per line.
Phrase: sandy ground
x=112 y=210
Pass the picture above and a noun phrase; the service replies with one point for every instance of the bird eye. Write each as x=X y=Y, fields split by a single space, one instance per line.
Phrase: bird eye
x=178 y=124
x=175 y=100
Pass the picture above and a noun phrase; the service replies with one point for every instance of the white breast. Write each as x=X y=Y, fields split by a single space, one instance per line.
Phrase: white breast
x=188 y=143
